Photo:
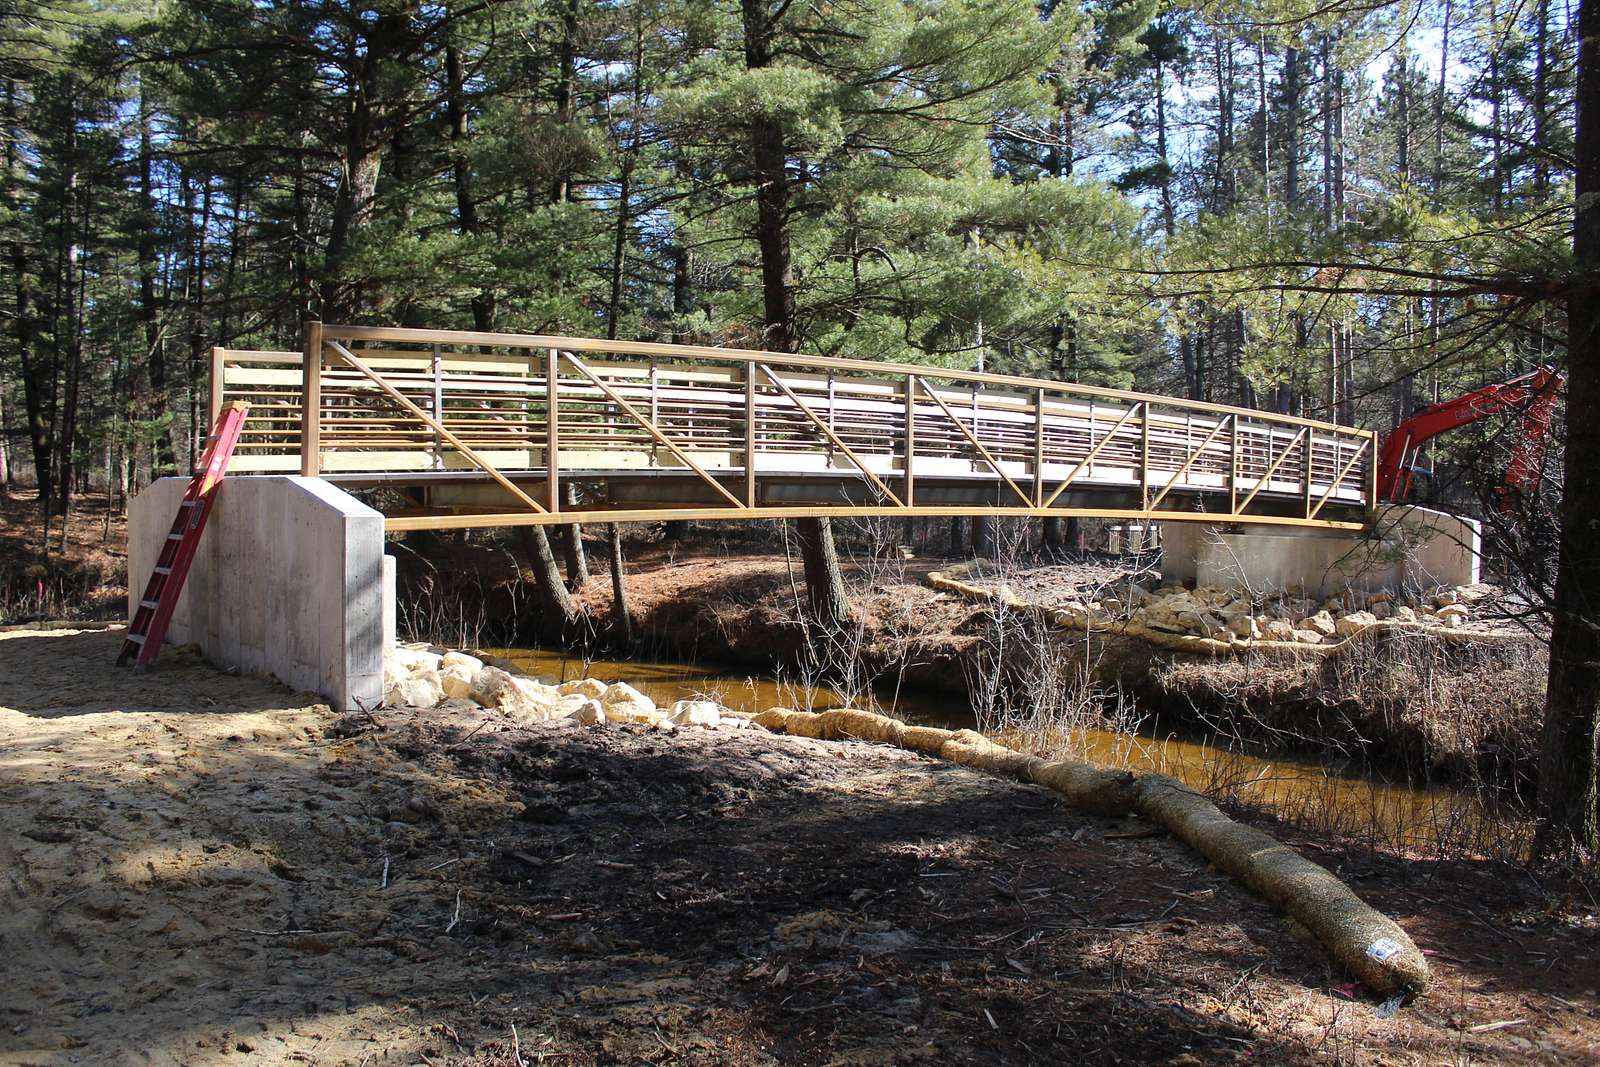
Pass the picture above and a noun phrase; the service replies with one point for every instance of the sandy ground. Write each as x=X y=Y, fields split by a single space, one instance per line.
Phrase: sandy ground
x=197 y=868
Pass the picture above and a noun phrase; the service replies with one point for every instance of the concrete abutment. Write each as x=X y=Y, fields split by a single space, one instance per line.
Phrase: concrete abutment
x=1408 y=547
x=290 y=579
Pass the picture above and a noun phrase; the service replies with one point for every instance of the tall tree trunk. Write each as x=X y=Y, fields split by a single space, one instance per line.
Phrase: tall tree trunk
x=1291 y=129
x=619 y=591
x=483 y=302
x=1541 y=100
x=550 y=595
x=825 y=592
x=572 y=547
x=1568 y=790
x=35 y=369
x=1438 y=104
x=149 y=311
x=830 y=605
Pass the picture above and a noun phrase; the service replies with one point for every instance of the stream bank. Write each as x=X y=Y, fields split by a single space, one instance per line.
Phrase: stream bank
x=1404 y=705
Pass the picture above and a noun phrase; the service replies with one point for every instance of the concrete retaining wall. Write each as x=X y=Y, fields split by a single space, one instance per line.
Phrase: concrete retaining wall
x=290 y=580
x=1411 y=547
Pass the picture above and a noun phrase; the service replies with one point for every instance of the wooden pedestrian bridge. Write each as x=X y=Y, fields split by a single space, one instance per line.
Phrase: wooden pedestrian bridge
x=502 y=429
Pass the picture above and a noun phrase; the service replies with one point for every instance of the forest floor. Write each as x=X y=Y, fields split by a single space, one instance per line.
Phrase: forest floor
x=84 y=577
x=197 y=867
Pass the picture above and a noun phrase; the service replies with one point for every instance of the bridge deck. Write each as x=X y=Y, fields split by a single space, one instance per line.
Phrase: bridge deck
x=498 y=429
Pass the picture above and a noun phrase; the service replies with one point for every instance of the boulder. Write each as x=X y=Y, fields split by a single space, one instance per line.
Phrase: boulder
x=1382 y=609
x=1405 y=614
x=415 y=691
x=1278 y=630
x=1354 y=622
x=1244 y=627
x=1322 y=623
x=1454 y=615
x=1308 y=637
x=417 y=660
x=456 y=672
x=521 y=698
x=591 y=688
x=696 y=713
x=623 y=703
x=589 y=712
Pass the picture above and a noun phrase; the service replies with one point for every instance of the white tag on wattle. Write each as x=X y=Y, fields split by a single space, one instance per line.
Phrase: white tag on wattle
x=1384 y=949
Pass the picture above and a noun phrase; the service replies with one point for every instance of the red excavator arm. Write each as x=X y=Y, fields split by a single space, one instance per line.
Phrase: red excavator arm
x=1534 y=394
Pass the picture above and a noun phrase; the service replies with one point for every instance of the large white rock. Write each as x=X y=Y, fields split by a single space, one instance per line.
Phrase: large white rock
x=456 y=672
x=624 y=703
x=415 y=691
x=521 y=698
x=696 y=713
x=1278 y=630
x=577 y=706
x=1354 y=623
x=1321 y=623
x=590 y=688
x=1243 y=626
x=417 y=660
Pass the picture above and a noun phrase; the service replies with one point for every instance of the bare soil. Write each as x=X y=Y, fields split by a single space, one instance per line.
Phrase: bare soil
x=201 y=868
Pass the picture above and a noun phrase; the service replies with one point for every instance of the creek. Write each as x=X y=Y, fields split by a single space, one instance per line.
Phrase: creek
x=1355 y=802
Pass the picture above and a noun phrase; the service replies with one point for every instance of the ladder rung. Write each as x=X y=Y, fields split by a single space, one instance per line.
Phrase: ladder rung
x=189 y=504
x=174 y=537
x=151 y=604
x=163 y=570
x=137 y=639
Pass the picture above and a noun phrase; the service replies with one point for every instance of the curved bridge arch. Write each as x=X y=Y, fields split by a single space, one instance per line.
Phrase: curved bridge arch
x=501 y=429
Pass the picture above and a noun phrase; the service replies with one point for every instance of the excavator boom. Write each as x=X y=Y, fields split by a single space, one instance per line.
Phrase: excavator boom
x=1534 y=394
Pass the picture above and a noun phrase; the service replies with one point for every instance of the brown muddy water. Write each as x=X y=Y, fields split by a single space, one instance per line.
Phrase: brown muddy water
x=1350 y=802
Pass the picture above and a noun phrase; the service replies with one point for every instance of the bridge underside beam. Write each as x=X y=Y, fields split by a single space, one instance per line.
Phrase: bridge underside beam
x=656 y=496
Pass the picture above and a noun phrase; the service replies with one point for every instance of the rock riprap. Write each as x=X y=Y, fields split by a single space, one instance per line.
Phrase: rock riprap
x=421 y=676
x=1173 y=612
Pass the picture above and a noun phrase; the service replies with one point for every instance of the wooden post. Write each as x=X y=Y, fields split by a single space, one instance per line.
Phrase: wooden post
x=311 y=401
x=552 y=443
x=438 y=406
x=1144 y=456
x=218 y=383
x=1311 y=446
x=749 y=435
x=1372 y=478
x=1233 y=469
x=1038 y=447
x=911 y=440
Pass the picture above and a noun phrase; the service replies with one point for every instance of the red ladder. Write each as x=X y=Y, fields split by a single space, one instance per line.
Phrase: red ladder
x=161 y=594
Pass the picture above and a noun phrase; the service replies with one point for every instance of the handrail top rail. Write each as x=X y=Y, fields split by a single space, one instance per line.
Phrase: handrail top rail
x=399 y=334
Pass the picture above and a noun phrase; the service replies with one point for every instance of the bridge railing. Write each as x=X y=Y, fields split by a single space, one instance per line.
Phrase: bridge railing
x=397 y=404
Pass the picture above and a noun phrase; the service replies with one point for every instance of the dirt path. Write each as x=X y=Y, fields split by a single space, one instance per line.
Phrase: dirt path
x=197 y=868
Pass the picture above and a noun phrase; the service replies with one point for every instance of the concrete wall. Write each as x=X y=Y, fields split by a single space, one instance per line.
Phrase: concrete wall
x=290 y=580
x=1410 y=547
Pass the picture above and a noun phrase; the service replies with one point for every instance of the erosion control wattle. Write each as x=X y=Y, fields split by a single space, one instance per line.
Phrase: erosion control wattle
x=1368 y=944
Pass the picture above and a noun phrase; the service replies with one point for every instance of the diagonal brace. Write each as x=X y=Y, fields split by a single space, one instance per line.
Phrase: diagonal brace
x=434 y=424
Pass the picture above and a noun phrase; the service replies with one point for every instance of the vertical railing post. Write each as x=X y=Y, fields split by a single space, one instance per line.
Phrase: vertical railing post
x=910 y=492
x=1310 y=447
x=311 y=401
x=552 y=443
x=438 y=405
x=1144 y=456
x=1233 y=465
x=1372 y=475
x=218 y=375
x=750 y=435
x=1038 y=448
